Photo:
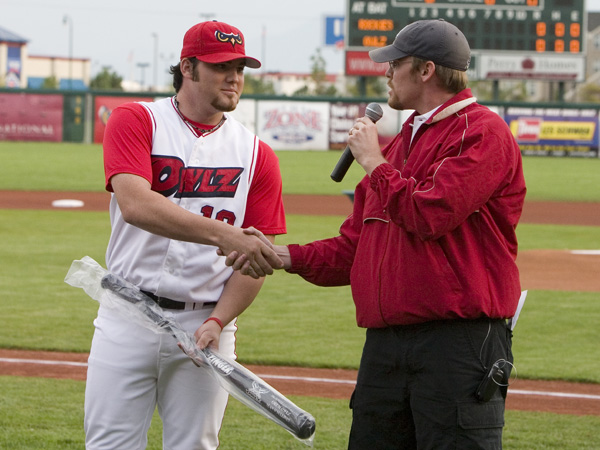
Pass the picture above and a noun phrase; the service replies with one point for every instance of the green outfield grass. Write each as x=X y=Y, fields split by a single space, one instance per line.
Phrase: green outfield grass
x=555 y=338
x=78 y=167
x=291 y=322
x=48 y=414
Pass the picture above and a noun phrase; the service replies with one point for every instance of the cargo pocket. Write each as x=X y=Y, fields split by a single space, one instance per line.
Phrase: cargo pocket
x=480 y=425
x=473 y=416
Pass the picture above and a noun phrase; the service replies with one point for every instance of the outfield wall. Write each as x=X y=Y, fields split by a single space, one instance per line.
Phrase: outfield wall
x=287 y=123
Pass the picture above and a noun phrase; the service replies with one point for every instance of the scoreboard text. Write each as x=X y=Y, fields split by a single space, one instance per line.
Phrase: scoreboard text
x=514 y=25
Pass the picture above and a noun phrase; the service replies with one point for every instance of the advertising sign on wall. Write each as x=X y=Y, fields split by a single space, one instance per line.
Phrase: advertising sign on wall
x=13 y=66
x=531 y=67
x=245 y=112
x=31 y=117
x=554 y=131
x=103 y=108
x=359 y=63
x=294 y=125
x=342 y=117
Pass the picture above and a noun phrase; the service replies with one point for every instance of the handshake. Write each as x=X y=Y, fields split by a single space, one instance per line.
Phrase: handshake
x=259 y=259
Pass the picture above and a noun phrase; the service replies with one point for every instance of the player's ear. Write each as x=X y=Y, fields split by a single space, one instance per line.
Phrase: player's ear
x=427 y=70
x=187 y=67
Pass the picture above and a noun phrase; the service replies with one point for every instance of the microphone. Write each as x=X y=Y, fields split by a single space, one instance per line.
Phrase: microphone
x=373 y=112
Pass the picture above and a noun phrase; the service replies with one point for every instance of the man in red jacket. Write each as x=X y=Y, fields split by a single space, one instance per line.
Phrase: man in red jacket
x=429 y=252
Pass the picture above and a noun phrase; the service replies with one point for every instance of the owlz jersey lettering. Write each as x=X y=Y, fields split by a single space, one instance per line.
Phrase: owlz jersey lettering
x=170 y=176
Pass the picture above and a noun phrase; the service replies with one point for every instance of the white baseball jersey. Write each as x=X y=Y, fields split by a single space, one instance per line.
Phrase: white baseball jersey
x=209 y=175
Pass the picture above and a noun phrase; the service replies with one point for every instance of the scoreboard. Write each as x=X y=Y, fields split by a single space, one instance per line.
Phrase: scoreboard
x=532 y=26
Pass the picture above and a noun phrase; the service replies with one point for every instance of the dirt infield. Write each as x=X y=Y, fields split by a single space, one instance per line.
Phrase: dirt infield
x=571 y=213
x=540 y=269
x=524 y=395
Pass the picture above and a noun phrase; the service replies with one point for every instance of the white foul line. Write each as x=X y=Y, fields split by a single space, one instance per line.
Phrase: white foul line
x=511 y=391
x=307 y=379
x=554 y=394
x=43 y=361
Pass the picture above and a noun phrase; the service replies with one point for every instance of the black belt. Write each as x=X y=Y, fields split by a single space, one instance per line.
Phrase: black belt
x=168 y=303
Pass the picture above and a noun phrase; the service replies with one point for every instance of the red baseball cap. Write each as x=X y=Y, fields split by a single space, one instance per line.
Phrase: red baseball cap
x=216 y=42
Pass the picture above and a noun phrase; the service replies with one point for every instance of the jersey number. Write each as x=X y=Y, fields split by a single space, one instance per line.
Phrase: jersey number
x=223 y=215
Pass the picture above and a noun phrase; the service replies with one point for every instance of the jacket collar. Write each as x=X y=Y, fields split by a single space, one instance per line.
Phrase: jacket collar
x=460 y=101
x=457 y=103
x=452 y=109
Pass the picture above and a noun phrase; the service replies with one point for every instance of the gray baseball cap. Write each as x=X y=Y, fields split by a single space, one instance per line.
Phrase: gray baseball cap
x=433 y=40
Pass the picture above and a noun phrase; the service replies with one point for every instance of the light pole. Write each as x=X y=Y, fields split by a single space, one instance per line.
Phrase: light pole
x=68 y=20
x=143 y=67
x=165 y=62
x=264 y=48
x=155 y=36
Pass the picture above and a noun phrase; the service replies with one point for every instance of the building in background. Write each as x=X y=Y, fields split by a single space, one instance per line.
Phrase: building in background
x=18 y=69
x=13 y=53
x=71 y=74
x=593 y=47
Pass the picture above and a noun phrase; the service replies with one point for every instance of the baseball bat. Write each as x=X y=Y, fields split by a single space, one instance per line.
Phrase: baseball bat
x=373 y=112
x=240 y=382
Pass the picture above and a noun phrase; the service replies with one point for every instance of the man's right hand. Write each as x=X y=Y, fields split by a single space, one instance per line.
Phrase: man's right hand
x=251 y=252
x=238 y=260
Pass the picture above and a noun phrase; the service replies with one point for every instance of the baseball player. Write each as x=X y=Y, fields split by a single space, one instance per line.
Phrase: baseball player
x=185 y=177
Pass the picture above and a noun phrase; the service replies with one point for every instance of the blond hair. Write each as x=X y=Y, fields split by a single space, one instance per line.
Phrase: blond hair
x=450 y=79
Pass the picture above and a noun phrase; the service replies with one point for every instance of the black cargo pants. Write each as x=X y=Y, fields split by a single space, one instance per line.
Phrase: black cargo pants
x=416 y=387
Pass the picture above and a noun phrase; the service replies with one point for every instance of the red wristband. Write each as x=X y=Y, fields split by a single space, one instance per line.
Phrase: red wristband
x=216 y=319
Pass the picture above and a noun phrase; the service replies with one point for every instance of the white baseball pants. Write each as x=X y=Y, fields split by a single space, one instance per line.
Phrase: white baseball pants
x=133 y=370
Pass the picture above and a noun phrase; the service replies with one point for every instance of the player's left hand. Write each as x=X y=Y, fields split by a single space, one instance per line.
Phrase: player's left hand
x=193 y=354
x=208 y=335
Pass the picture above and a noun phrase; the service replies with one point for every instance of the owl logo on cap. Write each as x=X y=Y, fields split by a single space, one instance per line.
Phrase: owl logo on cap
x=229 y=37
